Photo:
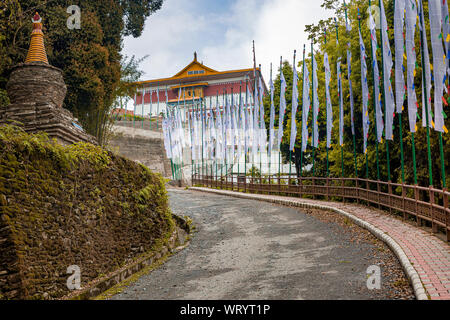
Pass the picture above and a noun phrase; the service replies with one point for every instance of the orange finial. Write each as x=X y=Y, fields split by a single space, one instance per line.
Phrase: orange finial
x=37 y=53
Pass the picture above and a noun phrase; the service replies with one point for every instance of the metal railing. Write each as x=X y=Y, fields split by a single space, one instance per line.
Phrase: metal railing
x=424 y=204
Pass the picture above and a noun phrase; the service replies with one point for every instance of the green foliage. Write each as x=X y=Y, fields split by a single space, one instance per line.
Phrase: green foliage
x=130 y=117
x=254 y=172
x=94 y=70
x=334 y=50
x=94 y=155
x=68 y=157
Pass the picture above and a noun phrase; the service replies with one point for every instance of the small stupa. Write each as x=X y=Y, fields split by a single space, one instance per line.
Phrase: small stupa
x=37 y=53
x=37 y=91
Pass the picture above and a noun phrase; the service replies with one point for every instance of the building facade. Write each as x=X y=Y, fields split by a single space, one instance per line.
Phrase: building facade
x=194 y=82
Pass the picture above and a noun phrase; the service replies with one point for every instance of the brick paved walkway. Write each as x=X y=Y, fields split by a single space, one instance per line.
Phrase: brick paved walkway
x=429 y=255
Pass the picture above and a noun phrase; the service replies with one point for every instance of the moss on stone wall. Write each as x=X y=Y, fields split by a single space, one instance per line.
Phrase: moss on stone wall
x=74 y=205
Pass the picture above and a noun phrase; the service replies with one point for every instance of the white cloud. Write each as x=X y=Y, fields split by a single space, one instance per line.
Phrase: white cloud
x=224 y=41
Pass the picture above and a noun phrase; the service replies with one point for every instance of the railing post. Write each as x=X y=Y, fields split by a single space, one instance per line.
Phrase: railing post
x=367 y=192
x=279 y=183
x=226 y=178
x=269 y=191
x=357 y=190
x=390 y=196
x=378 y=193
x=314 y=188
x=301 y=186
x=447 y=214
x=261 y=185
x=403 y=201
x=245 y=182
x=416 y=198
x=434 y=226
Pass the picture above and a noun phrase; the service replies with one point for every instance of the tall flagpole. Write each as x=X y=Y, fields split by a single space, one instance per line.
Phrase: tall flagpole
x=232 y=134
x=157 y=107
x=225 y=135
x=313 y=115
x=270 y=131
x=340 y=104
x=375 y=107
x=349 y=63
x=246 y=126
x=239 y=125
x=217 y=133
x=261 y=116
x=279 y=115
x=134 y=111
x=303 y=89
x=293 y=119
x=328 y=169
x=365 y=151
x=422 y=19
x=151 y=108
x=254 y=107
x=143 y=96
x=211 y=118
x=191 y=128
x=384 y=93
x=203 y=112
x=439 y=99
x=397 y=89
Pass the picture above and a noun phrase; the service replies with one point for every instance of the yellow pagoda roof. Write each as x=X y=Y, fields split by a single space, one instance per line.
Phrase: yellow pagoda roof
x=36 y=52
x=195 y=70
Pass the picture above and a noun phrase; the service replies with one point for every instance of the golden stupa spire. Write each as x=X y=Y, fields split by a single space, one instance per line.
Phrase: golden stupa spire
x=37 y=53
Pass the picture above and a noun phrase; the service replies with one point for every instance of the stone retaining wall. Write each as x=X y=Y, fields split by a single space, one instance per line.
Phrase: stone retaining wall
x=99 y=212
x=143 y=146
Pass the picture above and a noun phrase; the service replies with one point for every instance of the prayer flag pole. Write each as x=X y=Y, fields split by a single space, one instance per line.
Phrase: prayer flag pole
x=246 y=126
x=400 y=83
x=313 y=115
x=279 y=115
x=375 y=106
x=143 y=95
x=293 y=115
x=363 y=89
x=349 y=64
x=384 y=93
x=340 y=100
x=422 y=20
x=328 y=169
x=239 y=125
x=303 y=106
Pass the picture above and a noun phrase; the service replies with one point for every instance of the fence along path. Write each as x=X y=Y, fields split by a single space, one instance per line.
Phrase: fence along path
x=423 y=204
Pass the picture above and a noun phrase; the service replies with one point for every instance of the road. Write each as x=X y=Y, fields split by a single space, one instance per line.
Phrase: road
x=244 y=249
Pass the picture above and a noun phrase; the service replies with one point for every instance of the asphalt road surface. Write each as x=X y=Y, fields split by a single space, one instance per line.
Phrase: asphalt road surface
x=245 y=249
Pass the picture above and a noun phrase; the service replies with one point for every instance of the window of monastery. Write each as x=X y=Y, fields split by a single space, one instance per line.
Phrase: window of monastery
x=196 y=72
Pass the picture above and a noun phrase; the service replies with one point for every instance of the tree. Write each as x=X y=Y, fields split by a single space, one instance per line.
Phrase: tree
x=317 y=32
x=89 y=57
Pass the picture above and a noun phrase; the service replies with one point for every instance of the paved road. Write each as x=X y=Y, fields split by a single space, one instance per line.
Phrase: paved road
x=245 y=249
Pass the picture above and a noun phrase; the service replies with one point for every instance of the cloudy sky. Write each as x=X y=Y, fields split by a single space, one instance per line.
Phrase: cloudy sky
x=221 y=31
